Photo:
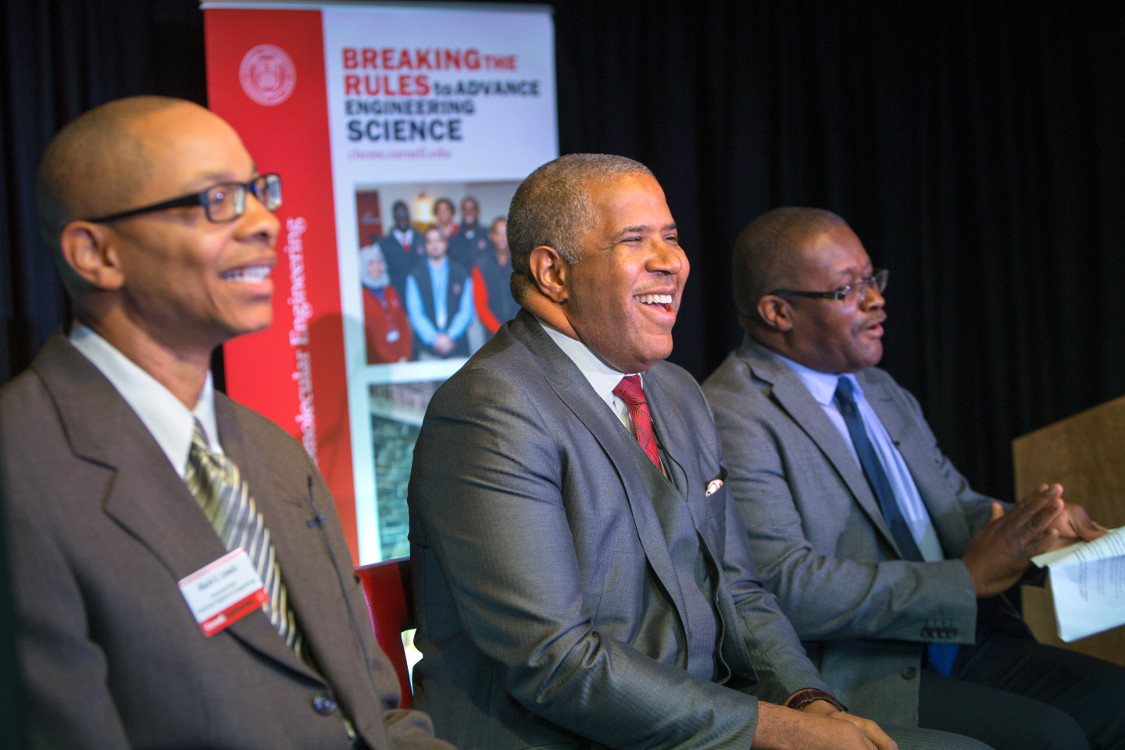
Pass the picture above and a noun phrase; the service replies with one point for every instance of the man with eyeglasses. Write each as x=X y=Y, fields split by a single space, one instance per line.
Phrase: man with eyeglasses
x=179 y=574
x=890 y=567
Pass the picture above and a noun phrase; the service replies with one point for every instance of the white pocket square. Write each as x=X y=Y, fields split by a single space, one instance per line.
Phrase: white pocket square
x=716 y=484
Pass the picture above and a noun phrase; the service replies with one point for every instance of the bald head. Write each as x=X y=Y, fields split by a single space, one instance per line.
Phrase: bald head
x=94 y=164
x=553 y=207
x=133 y=153
x=769 y=254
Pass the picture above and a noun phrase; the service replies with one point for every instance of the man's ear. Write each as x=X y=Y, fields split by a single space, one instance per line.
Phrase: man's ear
x=775 y=313
x=87 y=249
x=550 y=272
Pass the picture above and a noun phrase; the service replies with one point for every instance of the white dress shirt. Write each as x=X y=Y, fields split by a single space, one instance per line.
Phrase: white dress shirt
x=602 y=378
x=169 y=421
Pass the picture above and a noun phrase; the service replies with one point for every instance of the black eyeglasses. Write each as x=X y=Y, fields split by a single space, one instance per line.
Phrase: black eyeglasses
x=223 y=201
x=877 y=281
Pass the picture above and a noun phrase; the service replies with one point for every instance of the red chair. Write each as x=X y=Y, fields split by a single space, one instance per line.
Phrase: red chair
x=389 y=593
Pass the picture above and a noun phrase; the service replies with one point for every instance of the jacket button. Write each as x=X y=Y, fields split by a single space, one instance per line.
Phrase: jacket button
x=323 y=704
x=908 y=673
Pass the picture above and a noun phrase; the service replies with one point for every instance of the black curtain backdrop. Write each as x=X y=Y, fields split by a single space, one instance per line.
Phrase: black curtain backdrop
x=975 y=147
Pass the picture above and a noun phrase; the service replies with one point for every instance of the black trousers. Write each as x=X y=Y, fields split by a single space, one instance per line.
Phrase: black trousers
x=1017 y=694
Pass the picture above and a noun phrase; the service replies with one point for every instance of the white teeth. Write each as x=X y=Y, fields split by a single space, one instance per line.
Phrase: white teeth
x=251 y=275
x=654 y=299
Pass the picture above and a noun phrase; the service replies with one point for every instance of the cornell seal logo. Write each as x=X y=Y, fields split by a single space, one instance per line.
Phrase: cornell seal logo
x=267 y=74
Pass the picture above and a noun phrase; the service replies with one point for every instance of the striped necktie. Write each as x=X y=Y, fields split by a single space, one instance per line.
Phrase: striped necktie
x=218 y=487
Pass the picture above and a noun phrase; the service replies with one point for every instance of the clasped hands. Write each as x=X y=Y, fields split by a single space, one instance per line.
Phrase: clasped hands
x=1000 y=551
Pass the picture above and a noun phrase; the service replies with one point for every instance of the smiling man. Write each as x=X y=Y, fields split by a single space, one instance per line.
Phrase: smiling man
x=129 y=487
x=581 y=575
x=887 y=562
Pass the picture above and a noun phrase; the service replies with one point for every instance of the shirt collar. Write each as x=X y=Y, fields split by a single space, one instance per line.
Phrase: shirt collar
x=602 y=378
x=169 y=421
x=822 y=385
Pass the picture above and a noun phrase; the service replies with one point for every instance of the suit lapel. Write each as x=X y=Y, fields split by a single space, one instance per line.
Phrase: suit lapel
x=945 y=512
x=671 y=429
x=286 y=509
x=681 y=447
x=791 y=395
x=575 y=393
x=315 y=565
x=145 y=494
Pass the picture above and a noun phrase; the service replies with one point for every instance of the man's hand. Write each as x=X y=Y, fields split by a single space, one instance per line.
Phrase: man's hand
x=1000 y=551
x=819 y=726
x=872 y=731
x=1075 y=525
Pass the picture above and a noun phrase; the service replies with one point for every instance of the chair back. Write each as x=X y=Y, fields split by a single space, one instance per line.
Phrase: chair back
x=388 y=589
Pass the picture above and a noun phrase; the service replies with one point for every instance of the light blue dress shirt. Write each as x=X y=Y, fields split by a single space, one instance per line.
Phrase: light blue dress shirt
x=822 y=386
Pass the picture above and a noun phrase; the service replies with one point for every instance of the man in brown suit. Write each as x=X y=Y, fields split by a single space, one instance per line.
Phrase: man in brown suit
x=96 y=440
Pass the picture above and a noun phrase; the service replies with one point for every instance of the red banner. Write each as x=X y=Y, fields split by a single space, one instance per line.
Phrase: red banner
x=376 y=117
x=266 y=77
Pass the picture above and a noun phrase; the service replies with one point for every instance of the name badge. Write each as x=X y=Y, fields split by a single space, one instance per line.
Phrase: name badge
x=223 y=592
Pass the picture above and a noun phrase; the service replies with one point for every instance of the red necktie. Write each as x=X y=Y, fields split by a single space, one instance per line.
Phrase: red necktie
x=629 y=390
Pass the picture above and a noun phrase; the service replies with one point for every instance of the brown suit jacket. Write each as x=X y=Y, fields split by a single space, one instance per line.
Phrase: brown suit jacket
x=101 y=528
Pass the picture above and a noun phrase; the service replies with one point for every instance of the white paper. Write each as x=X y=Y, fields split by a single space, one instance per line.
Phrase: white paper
x=1088 y=585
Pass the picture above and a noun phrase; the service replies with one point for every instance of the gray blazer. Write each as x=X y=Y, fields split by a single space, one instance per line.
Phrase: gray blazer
x=101 y=528
x=819 y=537
x=550 y=611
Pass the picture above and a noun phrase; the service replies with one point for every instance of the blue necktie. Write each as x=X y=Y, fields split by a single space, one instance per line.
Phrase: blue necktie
x=941 y=655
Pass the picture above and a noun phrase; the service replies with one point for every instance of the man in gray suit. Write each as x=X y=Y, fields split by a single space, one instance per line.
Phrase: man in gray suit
x=113 y=443
x=581 y=575
x=887 y=562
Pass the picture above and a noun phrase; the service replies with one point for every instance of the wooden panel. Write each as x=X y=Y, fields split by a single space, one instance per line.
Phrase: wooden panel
x=1086 y=454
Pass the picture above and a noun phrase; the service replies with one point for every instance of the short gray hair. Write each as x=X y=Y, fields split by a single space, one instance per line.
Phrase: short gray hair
x=552 y=207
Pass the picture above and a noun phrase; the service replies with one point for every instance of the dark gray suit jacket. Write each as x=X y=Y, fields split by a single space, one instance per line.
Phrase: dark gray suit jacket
x=101 y=528
x=550 y=611
x=819 y=537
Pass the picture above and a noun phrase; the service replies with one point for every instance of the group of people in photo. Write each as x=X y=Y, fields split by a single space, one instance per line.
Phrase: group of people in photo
x=435 y=292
